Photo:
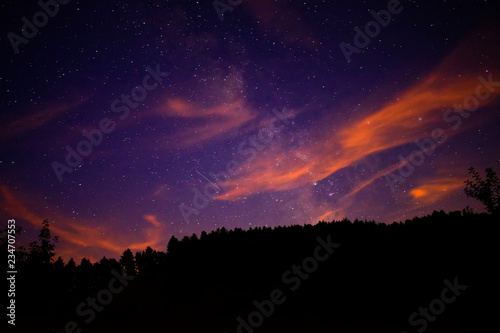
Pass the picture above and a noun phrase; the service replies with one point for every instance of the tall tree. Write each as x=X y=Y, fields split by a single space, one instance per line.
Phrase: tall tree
x=173 y=245
x=42 y=253
x=59 y=266
x=147 y=261
x=128 y=262
x=70 y=274
x=85 y=275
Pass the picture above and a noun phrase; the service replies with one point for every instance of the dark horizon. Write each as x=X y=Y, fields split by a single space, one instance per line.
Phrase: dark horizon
x=127 y=123
x=348 y=276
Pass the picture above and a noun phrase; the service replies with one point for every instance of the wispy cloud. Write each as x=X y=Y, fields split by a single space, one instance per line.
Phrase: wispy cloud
x=411 y=116
x=436 y=190
x=39 y=118
x=85 y=238
x=207 y=123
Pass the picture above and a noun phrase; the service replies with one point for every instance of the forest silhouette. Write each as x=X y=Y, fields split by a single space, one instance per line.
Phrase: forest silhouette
x=375 y=279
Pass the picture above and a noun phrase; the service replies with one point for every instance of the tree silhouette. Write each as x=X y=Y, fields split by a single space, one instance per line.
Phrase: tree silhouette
x=486 y=191
x=147 y=261
x=128 y=262
x=70 y=274
x=43 y=253
x=103 y=271
x=173 y=245
x=84 y=275
x=229 y=271
x=59 y=265
x=70 y=267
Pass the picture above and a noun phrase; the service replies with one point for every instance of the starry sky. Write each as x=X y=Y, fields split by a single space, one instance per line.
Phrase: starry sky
x=127 y=122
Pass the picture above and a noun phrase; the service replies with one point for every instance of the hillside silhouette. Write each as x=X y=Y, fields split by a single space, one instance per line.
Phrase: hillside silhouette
x=375 y=278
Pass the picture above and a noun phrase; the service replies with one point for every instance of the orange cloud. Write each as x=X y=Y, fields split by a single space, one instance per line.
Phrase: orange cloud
x=39 y=118
x=419 y=192
x=358 y=187
x=14 y=206
x=88 y=237
x=152 y=220
x=421 y=107
x=413 y=115
x=331 y=215
x=436 y=190
x=217 y=121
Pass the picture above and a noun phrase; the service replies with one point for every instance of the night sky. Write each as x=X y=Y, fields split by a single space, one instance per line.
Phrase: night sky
x=127 y=122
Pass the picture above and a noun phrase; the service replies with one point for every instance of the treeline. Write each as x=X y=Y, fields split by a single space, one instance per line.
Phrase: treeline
x=378 y=276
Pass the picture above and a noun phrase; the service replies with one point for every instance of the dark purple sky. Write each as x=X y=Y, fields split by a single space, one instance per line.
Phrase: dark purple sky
x=125 y=123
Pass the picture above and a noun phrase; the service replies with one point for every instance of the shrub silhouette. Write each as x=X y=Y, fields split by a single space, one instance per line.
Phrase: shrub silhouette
x=486 y=191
